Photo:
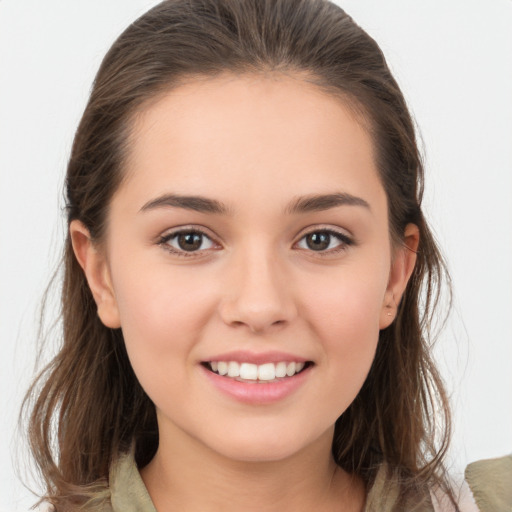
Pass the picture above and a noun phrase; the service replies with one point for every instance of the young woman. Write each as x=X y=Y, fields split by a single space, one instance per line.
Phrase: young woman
x=249 y=278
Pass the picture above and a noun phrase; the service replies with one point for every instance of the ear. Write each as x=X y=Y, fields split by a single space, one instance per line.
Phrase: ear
x=404 y=259
x=93 y=261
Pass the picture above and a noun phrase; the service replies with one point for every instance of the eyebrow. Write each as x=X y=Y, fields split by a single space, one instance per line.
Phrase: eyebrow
x=195 y=203
x=303 y=204
x=320 y=202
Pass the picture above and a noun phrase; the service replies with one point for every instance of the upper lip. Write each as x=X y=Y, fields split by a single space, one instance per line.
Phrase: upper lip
x=244 y=356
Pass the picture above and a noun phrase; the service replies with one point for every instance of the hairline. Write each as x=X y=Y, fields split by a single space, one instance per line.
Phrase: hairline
x=355 y=106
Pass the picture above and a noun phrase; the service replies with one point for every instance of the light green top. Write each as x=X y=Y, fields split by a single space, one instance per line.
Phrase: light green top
x=129 y=494
x=489 y=480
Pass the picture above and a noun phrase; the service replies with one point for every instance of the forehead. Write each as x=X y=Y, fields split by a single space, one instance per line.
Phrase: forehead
x=255 y=134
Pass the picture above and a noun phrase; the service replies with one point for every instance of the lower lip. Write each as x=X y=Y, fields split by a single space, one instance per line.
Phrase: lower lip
x=257 y=393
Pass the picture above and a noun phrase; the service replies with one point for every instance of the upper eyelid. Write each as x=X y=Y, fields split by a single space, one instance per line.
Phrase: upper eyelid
x=325 y=228
x=188 y=229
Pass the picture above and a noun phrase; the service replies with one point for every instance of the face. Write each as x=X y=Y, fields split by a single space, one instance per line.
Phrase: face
x=250 y=236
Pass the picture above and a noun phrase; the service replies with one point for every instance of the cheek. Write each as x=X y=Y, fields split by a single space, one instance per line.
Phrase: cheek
x=346 y=321
x=157 y=307
x=350 y=308
x=162 y=318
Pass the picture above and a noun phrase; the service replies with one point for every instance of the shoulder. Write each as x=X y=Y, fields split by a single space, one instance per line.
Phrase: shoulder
x=128 y=492
x=487 y=488
x=490 y=482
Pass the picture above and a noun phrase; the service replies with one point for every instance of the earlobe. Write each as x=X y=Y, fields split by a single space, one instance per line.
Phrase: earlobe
x=402 y=267
x=93 y=261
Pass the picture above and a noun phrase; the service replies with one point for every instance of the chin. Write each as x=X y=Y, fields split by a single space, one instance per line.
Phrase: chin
x=252 y=452
x=271 y=446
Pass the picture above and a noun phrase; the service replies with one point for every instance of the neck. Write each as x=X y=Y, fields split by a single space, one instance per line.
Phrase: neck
x=186 y=475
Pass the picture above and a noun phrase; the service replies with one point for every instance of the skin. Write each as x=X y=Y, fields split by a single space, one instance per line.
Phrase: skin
x=256 y=144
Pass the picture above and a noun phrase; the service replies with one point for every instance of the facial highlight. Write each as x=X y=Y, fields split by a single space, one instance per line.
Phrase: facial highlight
x=248 y=261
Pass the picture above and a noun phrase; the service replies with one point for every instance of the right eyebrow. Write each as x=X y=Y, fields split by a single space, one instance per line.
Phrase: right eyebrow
x=195 y=203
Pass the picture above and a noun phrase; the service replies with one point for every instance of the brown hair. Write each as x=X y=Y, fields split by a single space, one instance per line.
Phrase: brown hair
x=89 y=391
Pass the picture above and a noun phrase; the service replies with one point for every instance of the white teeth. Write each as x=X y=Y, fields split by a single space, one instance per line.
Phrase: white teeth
x=248 y=371
x=281 y=369
x=262 y=372
x=233 y=369
x=222 y=368
x=267 y=371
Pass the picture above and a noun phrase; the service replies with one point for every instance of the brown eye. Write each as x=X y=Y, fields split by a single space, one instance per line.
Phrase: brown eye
x=318 y=241
x=183 y=242
x=189 y=241
x=327 y=241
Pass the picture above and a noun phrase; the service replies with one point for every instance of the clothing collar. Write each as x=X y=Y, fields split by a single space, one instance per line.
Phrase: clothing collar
x=129 y=494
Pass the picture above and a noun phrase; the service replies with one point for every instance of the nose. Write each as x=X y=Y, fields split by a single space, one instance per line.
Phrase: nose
x=258 y=293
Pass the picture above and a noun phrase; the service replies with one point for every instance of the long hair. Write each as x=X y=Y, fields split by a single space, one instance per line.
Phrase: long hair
x=87 y=406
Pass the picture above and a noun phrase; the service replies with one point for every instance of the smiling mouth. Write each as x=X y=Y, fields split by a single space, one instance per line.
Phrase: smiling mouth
x=257 y=373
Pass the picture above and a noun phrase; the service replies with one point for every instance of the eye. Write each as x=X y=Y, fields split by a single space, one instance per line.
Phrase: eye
x=186 y=242
x=325 y=240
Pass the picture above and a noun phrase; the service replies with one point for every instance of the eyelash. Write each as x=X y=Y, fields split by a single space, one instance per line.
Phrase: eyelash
x=164 y=242
x=345 y=242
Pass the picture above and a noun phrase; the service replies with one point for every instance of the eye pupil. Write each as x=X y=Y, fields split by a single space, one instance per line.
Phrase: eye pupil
x=318 y=241
x=190 y=241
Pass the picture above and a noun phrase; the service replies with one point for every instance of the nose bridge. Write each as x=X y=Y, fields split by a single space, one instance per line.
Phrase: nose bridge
x=257 y=295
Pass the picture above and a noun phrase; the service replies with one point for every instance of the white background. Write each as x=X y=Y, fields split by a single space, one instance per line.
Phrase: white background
x=453 y=60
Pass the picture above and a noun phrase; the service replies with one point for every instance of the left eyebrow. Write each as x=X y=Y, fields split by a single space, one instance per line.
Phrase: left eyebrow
x=320 y=202
x=302 y=204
